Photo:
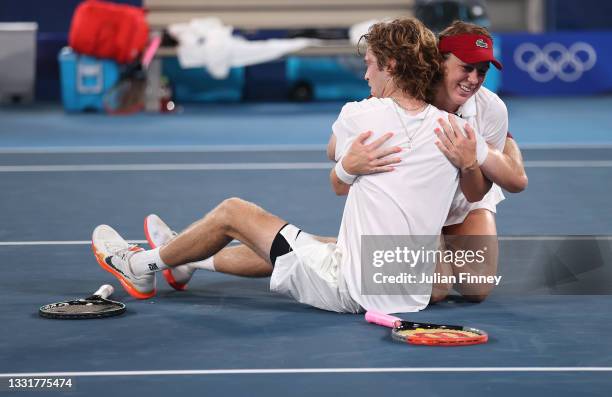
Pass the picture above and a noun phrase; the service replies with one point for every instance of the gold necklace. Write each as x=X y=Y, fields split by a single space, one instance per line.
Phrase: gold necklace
x=410 y=137
x=394 y=99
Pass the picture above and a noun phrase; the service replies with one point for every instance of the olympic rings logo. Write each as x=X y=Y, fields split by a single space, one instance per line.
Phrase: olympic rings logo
x=555 y=60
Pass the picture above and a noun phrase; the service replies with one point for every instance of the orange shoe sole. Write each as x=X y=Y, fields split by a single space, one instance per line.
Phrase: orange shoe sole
x=126 y=285
x=167 y=273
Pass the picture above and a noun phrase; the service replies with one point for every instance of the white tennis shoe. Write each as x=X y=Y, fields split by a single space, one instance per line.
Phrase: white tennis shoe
x=113 y=253
x=159 y=233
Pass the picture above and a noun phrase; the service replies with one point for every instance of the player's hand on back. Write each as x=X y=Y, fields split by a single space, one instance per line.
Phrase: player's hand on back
x=364 y=158
x=458 y=148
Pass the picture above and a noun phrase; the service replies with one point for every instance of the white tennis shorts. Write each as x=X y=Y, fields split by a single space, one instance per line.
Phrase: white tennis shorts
x=311 y=274
x=460 y=208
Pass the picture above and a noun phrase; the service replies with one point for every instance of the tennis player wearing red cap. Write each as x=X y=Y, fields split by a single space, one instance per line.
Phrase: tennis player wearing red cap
x=468 y=53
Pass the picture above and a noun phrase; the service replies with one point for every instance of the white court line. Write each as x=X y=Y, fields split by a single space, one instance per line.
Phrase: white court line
x=250 y=166
x=568 y=163
x=303 y=371
x=565 y=146
x=554 y=238
x=162 y=149
x=165 y=167
x=68 y=242
x=242 y=148
x=503 y=238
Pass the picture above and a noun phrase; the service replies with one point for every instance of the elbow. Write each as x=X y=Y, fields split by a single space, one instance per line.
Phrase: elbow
x=519 y=185
x=476 y=195
x=474 y=198
x=341 y=190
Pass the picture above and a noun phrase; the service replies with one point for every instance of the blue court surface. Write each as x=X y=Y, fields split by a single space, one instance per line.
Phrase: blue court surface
x=61 y=175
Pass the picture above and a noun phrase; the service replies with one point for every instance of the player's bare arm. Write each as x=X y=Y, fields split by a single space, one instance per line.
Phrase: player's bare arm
x=506 y=168
x=340 y=188
x=460 y=150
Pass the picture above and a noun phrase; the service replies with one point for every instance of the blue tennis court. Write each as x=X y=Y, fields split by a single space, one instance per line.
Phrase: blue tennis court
x=62 y=175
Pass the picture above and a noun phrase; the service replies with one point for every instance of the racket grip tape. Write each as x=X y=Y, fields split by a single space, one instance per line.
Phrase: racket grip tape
x=381 y=319
x=105 y=291
x=150 y=51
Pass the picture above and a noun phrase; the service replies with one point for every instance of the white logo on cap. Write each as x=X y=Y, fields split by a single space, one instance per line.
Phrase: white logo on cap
x=555 y=60
x=481 y=43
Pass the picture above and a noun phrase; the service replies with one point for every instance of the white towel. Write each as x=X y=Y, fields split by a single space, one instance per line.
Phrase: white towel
x=210 y=44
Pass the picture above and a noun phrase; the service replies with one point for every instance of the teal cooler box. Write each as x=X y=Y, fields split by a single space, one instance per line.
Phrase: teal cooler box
x=84 y=80
x=327 y=78
x=196 y=85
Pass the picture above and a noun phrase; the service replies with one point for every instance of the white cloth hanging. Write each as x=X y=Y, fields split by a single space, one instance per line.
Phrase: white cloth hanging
x=210 y=44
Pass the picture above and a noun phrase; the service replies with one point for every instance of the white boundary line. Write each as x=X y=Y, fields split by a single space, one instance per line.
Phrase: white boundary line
x=251 y=166
x=243 y=148
x=303 y=371
x=68 y=242
x=565 y=146
x=163 y=149
x=567 y=163
x=503 y=238
x=167 y=167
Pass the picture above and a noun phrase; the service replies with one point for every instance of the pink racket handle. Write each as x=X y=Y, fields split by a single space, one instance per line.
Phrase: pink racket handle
x=151 y=50
x=381 y=319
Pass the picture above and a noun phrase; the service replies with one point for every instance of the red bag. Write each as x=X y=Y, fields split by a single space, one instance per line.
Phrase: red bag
x=109 y=30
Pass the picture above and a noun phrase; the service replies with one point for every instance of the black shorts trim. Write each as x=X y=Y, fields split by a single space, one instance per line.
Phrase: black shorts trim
x=280 y=246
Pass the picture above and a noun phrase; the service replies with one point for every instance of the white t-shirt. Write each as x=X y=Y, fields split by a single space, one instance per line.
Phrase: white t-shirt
x=414 y=199
x=487 y=113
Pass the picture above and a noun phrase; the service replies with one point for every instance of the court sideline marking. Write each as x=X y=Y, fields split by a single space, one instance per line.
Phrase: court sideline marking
x=253 y=166
x=502 y=238
x=243 y=148
x=302 y=371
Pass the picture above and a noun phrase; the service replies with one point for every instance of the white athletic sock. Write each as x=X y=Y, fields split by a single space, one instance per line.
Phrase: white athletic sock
x=206 y=264
x=145 y=262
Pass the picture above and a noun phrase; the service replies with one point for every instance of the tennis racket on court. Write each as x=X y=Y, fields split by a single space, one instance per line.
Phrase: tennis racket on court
x=428 y=334
x=95 y=306
x=128 y=94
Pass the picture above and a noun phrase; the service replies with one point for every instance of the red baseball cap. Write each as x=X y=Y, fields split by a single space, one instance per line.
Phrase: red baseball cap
x=470 y=48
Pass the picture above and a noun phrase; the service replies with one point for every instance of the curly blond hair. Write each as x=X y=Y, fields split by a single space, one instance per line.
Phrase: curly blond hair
x=414 y=49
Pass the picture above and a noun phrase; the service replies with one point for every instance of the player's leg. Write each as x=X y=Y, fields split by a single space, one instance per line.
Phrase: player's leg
x=232 y=219
x=243 y=261
x=237 y=260
x=478 y=228
x=439 y=290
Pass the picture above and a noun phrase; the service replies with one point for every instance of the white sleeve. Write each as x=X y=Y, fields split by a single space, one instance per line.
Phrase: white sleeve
x=495 y=123
x=344 y=131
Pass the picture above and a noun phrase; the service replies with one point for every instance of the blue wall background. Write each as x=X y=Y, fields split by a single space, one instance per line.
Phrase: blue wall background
x=53 y=18
x=51 y=15
x=579 y=15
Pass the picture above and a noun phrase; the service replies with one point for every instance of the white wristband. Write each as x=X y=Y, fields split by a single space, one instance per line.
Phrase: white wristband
x=343 y=175
x=482 y=150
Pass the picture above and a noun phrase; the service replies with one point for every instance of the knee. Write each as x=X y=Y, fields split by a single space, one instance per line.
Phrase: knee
x=477 y=296
x=439 y=292
x=228 y=210
x=232 y=204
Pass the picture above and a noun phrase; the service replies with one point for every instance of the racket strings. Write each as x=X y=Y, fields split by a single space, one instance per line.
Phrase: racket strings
x=127 y=97
x=81 y=308
x=439 y=333
x=440 y=336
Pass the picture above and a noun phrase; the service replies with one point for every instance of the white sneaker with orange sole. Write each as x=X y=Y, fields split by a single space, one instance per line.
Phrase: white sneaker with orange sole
x=159 y=233
x=113 y=253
